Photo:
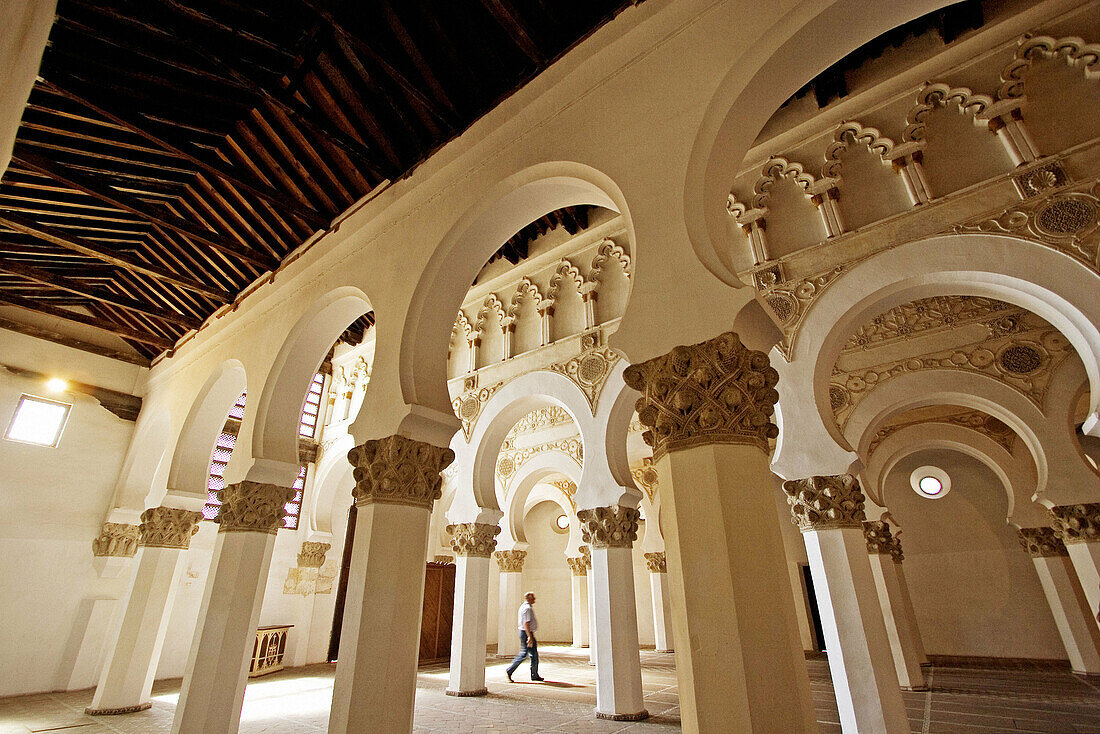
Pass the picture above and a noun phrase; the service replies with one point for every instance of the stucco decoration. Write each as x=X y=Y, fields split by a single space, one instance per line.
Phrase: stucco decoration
x=510 y=561
x=312 y=554
x=586 y=554
x=881 y=541
x=491 y=310
x=468 y=407
x=847 y=134
x=568 y=489
x=1084 y=56
x=774 y=169
x=539 y=419
x=1077 y=523
x=929 y=316
x=398 y=470
x=473 y=539
x=656 y=562
x=717 y=391
x=525 y=289
x=645 y=477
x=564 y=271
x=609 y=527
x=790 y=301
x=252 y=507
x=607 y=251
x=825 y=502
x=1042 y=543
x=577 y=565
x=975 y=420
x=116 y=540
x=443 y=559
x=589 y=370
x=932 y=96
x=1038 y=180
x=168 y=527
x=511 y=460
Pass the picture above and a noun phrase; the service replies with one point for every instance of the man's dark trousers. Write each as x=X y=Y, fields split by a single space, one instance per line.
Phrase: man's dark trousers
x=524 y=651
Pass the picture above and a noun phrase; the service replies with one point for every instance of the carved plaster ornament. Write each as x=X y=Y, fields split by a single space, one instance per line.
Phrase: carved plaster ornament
x=473 y=539
x=1076 y=51
x=568 y=489
x=645 y=477
x=1077 y=523
x=718 y=391
x=443 y=559
x=398 y=470
x=790 y=301
x=975 y=420
x=880 y=541
x=933 y=96
x=312 y=554
x=930 y=316
x=168 y=527
x=511 y=460
x=656 y=562
x=589 y=370
x=609 y=527
x=825 y=502
x=577 y=565
x=605 y=253
x=253 y=507
x=116 y=540
x=1042 y=542
x=468 y=406
x=539 y=419
x=586 y=554
x=510 y=561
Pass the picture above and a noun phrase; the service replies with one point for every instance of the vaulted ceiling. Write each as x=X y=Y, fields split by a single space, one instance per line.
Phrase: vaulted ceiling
x=173 y=152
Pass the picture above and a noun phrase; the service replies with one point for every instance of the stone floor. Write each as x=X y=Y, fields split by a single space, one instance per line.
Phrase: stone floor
x=967 y=700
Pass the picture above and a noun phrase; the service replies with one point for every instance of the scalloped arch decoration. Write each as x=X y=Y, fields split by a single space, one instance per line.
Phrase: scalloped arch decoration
x=492 y=305
x=774 y=169
x=932 y=96
x=1077 y=53
x=607 y=251
x=564 y=270
x=461 y=328
x=524 y=289
x=845 y=135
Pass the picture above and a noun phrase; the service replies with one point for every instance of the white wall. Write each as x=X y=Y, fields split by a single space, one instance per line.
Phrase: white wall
x=546 y=573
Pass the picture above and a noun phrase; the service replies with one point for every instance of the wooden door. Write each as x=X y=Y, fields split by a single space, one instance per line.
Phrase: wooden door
x=438 y=612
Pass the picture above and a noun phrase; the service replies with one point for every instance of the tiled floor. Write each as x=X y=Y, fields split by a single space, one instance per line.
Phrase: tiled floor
x=970 y=701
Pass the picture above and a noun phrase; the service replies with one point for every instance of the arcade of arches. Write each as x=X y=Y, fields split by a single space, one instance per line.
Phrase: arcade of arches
x=731 y=360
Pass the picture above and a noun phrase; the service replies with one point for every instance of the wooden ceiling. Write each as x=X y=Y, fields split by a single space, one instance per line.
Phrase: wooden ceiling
x=173 y=152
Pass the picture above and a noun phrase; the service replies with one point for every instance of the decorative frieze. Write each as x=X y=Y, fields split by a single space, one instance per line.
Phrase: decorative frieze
x=312 y=554
x=880 y=541
x=578 y=565
x=718 y=391
x=253 y=507
x=511 y=460
x=1077 y=523
x=609 y=527
x=473 y=539
x=1042 y=542
x=656 y=562
x=398 y=470
x=116 y=540
x=510 y=561
x=925 y=316
x=168 y=527
x=975 y=420
x=825 y=502
x=540 y=418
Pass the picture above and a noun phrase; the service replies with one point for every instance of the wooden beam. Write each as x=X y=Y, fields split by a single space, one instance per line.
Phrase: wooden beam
x=93 y=188
x=506 y=15
x=68 y=341
x=84 y=247
x=59 y=282
x=122 y=404
x=96 y=323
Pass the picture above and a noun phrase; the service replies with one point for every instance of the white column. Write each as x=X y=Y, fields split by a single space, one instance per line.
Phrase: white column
x=1079 y=528
x=305 y=577
x=736 y=636
x=1068 y=605
x=886 y=557
x=397 y=480
x=829 y=511
x=127 y=676
x=910 y=615
x=578 y=568
x=510 y=563
x=217 y=666
x=590 y=586
x=473 y=544
x=610 y=533
x=662 y=612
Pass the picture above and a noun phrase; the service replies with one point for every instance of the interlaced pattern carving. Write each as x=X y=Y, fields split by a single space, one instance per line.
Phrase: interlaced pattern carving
x=1078 y=523
x=398 y=470
x=510 y=561
x=168 y=527
x=474 y=539
x=1042 y=543
x=253 y=507
x=609 y=527
x=881 y=541
x=825 y=502
x=116 y=540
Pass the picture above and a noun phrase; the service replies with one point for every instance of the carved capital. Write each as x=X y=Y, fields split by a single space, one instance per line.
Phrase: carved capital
x=1042 y=543
x=1077 y=523
x=656 y=562
x=586 y=554
x=255 y=507
x=609 y=527
x=443 y=559
x=312 y=554
x=473 y=539
x=398 y=470
x=510 y=561
x=825 y=502
x=578 y=565
x=880 y=541
x=116 y=540
x=168 y=527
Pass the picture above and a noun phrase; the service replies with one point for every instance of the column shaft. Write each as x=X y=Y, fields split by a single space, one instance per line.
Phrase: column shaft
x=1072 y=615
x=471 y=606
x=910 y=616
x=662 y=612
x=580 y=610
x=618 y=665
x=590 y=587
x=1086 y=562
x=899 y=629
x=511 y=597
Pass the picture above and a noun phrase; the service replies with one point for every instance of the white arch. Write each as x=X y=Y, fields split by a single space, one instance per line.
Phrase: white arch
x=533 y=473
x=140 y=475
x=331 y=488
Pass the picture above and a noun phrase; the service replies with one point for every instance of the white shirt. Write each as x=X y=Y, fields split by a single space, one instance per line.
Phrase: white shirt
x=527 y=614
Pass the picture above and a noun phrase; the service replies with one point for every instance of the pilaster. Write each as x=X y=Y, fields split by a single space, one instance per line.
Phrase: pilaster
x=662 y=611
x=473 y=545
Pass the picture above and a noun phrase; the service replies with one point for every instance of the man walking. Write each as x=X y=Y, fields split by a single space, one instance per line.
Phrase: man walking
x=528 y=625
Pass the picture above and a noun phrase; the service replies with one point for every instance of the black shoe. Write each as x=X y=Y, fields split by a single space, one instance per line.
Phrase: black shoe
x=537 y=678
x=509 y=676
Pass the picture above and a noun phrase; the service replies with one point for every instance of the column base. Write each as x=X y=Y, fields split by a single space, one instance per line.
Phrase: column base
x=124 y=710
x=643 y=714
x=467 y=694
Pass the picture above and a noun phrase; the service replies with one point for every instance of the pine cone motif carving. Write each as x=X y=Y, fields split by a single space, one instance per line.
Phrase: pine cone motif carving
x=880 y=541
x=1078 y=523
x=609 y=527
x=398 y=470
x=312 y=554
x=1042 y=542
x=718 y=391
x=253 y=507
x=116 y=540
x=510 y=561
x=577 y=565
x=586 y=554
x=656 y=562
x=168 y=527
x=473 y=539
x=825 y=502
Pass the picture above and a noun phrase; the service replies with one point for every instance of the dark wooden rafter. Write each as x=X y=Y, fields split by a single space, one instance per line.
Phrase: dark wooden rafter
x=38 y=306
x=511 y=20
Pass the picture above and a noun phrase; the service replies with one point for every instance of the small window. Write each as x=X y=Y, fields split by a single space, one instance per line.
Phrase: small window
x=38 y=421
x=307 y=427
x=562 y=522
